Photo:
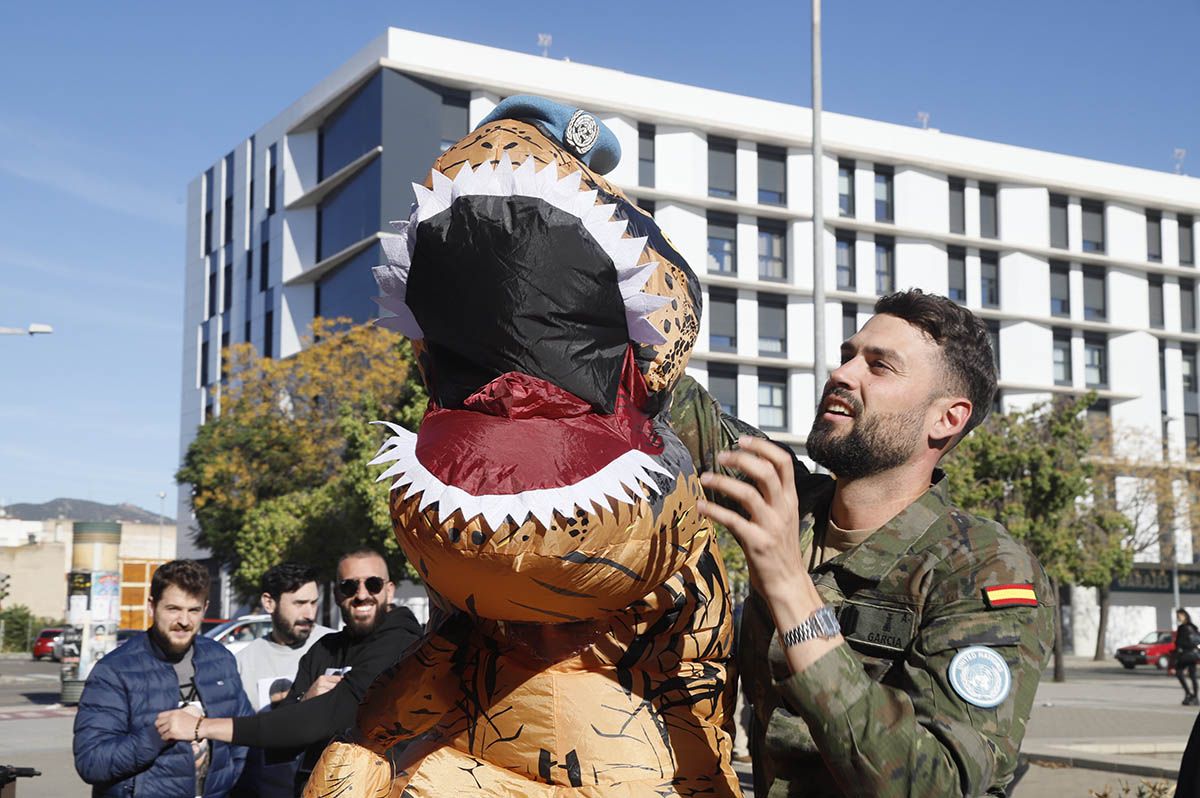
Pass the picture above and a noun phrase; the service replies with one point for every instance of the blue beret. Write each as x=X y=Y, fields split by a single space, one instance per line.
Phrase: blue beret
x=581 y=133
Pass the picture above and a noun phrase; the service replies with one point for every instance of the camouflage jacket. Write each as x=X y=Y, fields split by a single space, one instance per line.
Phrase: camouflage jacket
x=879 y=715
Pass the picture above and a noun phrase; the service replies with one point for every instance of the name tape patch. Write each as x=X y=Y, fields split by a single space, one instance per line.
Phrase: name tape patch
x=1010 y=596
x=980 y=676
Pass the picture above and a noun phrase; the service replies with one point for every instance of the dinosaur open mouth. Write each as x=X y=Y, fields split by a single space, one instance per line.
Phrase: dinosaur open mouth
x=522 y=446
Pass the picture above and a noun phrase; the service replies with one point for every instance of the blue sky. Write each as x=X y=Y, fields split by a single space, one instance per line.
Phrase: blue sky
x=108 y=109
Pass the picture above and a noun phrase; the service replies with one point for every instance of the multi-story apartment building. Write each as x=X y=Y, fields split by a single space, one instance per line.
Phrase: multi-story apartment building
x=1085 y=271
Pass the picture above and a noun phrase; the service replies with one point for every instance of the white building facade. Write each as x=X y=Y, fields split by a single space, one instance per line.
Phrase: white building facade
x=1085 y=271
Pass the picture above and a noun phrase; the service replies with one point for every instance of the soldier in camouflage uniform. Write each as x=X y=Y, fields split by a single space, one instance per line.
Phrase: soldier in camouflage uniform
x=945 y=620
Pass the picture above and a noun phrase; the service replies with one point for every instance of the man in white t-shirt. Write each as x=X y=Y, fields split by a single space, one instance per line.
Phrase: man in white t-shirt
x=268 y=665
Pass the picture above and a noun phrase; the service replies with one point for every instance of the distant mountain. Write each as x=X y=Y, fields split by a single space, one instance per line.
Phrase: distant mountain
x=83 y=510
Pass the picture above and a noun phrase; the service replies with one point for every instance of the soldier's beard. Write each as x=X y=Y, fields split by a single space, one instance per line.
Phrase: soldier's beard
x=875 y=443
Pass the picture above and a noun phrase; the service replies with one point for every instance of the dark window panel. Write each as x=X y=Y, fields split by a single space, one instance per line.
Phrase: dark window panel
x=346 y=291
x=845 y=261
x=1095 y=360
x=772 y=175
x=884 y=194
x=988 y=216
x=212 y=292
x=1093 y=226
x=272 y=156
x=722 y=168
x=455 y=120
x=722 y=244
x=846 y=187
x=722 y=324
x=1155 y=284
x=956 y=259
x=849 y=321
x=1062 y=357
x=350 y=213
x=885 y=265
x=204 y=358
x=1187 y=305
x=772 y=325
x=227 y=287
x=1095 y=295
x=958 y=205
x=1187 y=241
x=722 y=385
x=772 y=250
x=1060 y=288
x=354 y=128
x=989 y=279
x=1189 y=367
x=772 y=399
x=1058 y=221
x=646 y=155
x=1154 y=236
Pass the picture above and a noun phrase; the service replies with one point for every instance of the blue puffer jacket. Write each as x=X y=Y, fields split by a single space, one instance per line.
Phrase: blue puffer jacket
x=117 y=749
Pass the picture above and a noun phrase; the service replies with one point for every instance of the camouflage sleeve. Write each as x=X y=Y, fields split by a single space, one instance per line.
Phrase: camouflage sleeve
x=698 y=421
x=925 y=739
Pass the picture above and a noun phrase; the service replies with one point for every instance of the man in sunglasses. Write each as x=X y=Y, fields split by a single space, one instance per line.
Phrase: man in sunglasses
x=335 y=673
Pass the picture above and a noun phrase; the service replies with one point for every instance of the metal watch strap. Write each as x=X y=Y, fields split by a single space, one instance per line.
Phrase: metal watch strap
x=821 y=624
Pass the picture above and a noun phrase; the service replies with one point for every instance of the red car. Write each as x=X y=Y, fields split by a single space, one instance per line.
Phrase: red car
x=1156 y=648
x=46 y=646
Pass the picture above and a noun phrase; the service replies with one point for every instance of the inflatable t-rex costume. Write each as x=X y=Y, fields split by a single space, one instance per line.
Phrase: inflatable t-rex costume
x=545 y=499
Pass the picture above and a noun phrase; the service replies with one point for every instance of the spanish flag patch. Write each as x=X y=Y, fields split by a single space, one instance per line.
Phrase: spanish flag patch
x=1010 y=596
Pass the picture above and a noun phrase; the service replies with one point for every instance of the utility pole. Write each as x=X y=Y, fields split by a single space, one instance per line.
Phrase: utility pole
x=820 y=371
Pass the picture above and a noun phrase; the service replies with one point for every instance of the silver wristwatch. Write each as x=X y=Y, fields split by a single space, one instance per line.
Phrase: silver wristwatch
x=821 y=624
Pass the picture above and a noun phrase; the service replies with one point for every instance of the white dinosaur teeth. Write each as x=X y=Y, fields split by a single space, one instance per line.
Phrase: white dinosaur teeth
x=526 y=180
x=626 y=479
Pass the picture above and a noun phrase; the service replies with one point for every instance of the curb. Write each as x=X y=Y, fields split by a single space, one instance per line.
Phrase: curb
x=1092 y=761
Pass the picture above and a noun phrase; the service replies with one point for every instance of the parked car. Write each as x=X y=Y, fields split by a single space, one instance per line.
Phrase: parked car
x=240 y=632
x=1156 y=648
x=208 y=624
x=48 y=644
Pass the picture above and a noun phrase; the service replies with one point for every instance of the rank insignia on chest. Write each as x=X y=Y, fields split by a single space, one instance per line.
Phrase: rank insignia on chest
x=1019 y=595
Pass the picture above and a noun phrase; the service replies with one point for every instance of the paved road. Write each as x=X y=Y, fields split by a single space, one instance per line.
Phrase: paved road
x=1101 y=712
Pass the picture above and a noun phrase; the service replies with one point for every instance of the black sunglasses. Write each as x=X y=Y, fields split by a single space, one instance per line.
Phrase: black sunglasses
x=349 y=587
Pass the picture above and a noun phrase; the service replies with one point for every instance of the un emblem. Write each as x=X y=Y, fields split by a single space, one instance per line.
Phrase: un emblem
x=980 y=676
x=582 y=132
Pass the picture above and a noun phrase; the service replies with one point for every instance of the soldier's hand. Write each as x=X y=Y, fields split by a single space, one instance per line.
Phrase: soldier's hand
x=769 y=529
x=322 y=685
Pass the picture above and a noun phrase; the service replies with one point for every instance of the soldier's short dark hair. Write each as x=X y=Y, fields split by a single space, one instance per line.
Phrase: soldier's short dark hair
x=188 y=575
x=963 y=339
x=287 y=577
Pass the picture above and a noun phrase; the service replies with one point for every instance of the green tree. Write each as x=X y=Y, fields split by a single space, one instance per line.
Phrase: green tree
x=282 y=472
x=1032 y=471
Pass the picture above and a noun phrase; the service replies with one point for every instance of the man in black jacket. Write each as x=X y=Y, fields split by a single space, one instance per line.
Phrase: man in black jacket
x=335 y=673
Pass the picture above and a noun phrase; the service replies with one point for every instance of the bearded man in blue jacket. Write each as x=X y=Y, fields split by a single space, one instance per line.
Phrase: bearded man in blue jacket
x=118 y=749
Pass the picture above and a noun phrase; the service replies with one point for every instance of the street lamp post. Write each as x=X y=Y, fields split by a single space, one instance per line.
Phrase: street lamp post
x=162 y=497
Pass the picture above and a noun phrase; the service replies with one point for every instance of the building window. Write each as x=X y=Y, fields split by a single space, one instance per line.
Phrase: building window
x=1095 y=299
x=772 y=175
x=958 y=205
x=1093 y=225
x=885 y=265
x=845 y=261
x=849 y=320
x=212 y=290
x=354 y=128
x=1189 y=367
x=208 y=212
x=1058 y=221
x=1098 y=419
x=271 y=175
x=772 y=399
x=345 y=291
x=883 y=193
x=1060 y=288
x=1062 y=357
x=989 y=279
x=956 y=262
x=772 y=250
x=646 y=155
x=228 y=219
x=1154 y=236
x=1095 y=360
x=722 y=386
x=350 y=212
x=1187 y=250
x=772 y=325
x=722 y=168
x=1187 y=305
x=722 y=244
x=269 y=324
x=227 y=287
x=203 y=355
x=845 y=187
x=223 y=354
x=264 y=264
x=993 y=328
x=1155 y=283
x=248 y=293
x=722 y=325
x=455 y=118
x=1191 y=432
x=988 y=217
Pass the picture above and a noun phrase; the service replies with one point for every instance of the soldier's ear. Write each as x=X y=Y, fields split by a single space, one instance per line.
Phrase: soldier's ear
x=953 y=414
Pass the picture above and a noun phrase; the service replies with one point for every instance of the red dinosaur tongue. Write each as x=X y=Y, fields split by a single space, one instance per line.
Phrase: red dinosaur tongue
x=521 y=433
